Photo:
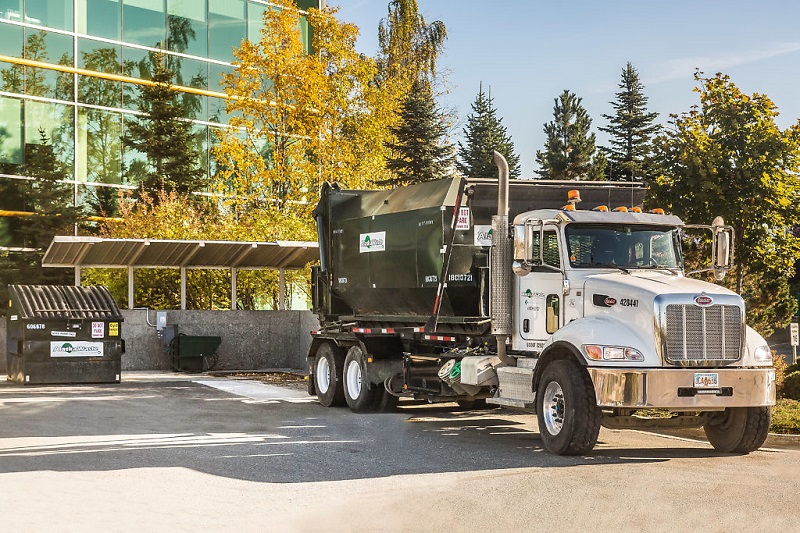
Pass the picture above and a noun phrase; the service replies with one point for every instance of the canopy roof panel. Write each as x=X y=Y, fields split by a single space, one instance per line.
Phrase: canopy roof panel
x=97 y=252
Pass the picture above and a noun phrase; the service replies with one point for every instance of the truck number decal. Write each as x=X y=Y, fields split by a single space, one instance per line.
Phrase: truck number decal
x=628 y=302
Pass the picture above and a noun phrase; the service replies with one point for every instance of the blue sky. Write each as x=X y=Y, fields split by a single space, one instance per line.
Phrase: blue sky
x=530 y=51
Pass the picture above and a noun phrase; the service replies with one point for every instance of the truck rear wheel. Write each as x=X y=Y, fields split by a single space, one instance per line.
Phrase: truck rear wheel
x=328 y=365
x=739 y=429
x=569 y=419
x=357 y=392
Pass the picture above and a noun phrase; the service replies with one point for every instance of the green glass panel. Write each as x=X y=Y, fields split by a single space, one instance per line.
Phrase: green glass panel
x=255 y=20
x=200 y=141
x=187 y=26
x=49 y=48
x=99 y=57
x=11 y=10
x=50 y=13
x=10 y=133
x=226 y=27
x=145 y=22
x=11 y=76
x=100 y=18
x=135 y=64
x=56 y=122
x=99 y=142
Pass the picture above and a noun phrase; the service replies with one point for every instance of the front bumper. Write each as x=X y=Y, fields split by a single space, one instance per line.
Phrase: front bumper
x=674 y=388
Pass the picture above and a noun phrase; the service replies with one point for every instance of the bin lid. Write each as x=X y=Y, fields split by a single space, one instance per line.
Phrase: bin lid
x=63 y=301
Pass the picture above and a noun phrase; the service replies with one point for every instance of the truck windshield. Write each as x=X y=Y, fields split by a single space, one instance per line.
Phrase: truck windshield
x=623 y=245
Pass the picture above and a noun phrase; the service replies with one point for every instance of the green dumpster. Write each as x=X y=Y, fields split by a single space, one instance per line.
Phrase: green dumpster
x=63 y=334
x=194 y=353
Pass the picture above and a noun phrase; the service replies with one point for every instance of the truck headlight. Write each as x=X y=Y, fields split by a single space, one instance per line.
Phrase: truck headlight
x=598 y=352
x=763 y=354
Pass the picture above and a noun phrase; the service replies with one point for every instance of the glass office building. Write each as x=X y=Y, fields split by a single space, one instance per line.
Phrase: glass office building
x=69 y=69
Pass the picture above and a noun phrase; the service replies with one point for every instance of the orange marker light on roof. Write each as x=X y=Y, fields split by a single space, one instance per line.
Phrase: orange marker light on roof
x=636 y=209
x=568 y=207
x=621 y=209
x=574 y=194
x=601 y=208
x=657 y=211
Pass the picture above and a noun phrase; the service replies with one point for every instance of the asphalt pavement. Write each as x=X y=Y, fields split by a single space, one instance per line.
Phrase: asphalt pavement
x=164 y=451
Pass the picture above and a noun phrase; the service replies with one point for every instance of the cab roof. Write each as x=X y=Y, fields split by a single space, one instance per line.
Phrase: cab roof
x=600 y=217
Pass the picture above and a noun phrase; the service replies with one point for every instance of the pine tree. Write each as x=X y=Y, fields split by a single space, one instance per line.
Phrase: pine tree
x=485 y=133
x=631 y=129
x=569 y=147
x=164 y=137
x=421 y=152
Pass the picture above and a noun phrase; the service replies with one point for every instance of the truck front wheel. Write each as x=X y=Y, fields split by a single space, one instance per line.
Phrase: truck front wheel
x=739 y=429
x=569 y=419
x=328 y=365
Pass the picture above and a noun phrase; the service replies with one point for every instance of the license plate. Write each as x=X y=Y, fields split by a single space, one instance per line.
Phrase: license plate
x=705 y=380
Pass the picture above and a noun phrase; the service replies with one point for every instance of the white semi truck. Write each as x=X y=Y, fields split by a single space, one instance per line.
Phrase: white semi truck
x=580 y=312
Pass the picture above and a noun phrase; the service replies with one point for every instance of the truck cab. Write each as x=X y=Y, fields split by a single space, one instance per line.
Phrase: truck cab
x=607 y=290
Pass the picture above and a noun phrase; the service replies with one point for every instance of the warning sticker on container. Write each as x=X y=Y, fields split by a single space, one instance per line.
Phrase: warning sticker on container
x=463 y=219
x=372 y=242
x=98 y=330
x=76 y=349
x=113 y=329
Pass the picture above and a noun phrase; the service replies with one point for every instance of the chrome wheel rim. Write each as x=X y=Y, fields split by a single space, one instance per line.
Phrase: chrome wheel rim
x=553 y=408
x=353 y=380
x=323 y=375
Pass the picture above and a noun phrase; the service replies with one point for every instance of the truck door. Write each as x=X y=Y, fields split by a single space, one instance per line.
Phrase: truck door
x=539 y=298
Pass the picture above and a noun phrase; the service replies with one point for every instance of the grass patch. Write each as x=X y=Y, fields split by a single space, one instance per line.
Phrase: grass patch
x=786 y=417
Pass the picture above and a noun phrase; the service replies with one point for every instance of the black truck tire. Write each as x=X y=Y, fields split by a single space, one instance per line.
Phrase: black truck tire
x=384 y=401
x=358 y=393
x=569 y=419
x=739 y=430
x=328 y=365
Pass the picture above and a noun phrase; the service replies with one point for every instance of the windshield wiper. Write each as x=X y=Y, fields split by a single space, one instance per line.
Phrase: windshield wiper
x=609 y=265
x=673 y=270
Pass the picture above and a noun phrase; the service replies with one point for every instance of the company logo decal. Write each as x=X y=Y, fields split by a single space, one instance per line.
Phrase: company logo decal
x=703 y=300
x=603 y=300
x=372 y=242
x=76 y=349
x=483 y=235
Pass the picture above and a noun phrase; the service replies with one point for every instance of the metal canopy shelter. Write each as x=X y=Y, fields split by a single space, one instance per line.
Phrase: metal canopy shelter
x=97 y=252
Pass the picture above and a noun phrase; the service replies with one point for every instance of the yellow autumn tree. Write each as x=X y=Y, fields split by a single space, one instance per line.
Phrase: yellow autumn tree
x=300 y=117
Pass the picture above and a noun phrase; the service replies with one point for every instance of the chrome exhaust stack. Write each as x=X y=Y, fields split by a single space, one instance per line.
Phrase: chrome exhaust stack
x=501 y=258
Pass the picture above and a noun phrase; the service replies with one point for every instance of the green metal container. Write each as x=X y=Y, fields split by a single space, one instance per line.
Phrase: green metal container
x=382 y=251
x=194 y=353
x=60 y=334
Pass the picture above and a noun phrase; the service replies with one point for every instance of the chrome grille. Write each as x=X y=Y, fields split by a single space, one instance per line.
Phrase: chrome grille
x=697 y=334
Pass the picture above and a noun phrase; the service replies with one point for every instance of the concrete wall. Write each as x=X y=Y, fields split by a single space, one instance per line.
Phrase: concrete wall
x=251 y=340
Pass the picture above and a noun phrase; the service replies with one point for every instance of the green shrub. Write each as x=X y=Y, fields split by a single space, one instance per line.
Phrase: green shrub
x=786 y=417
x=791 y=386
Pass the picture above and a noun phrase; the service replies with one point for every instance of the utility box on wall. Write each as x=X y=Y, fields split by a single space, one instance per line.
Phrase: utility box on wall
x=63 y=334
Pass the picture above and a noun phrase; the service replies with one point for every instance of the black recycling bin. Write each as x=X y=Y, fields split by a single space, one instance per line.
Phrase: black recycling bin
x=63 y=334
x=194 y=353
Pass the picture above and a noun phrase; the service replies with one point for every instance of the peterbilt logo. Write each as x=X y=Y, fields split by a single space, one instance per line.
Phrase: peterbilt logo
x=610 y=301
x=703 y=300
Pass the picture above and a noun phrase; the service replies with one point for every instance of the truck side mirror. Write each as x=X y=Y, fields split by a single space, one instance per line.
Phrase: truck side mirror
x=722 y=250
x=523 y=249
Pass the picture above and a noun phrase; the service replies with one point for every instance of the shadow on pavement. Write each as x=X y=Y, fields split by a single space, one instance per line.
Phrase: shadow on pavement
x=184 y=424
